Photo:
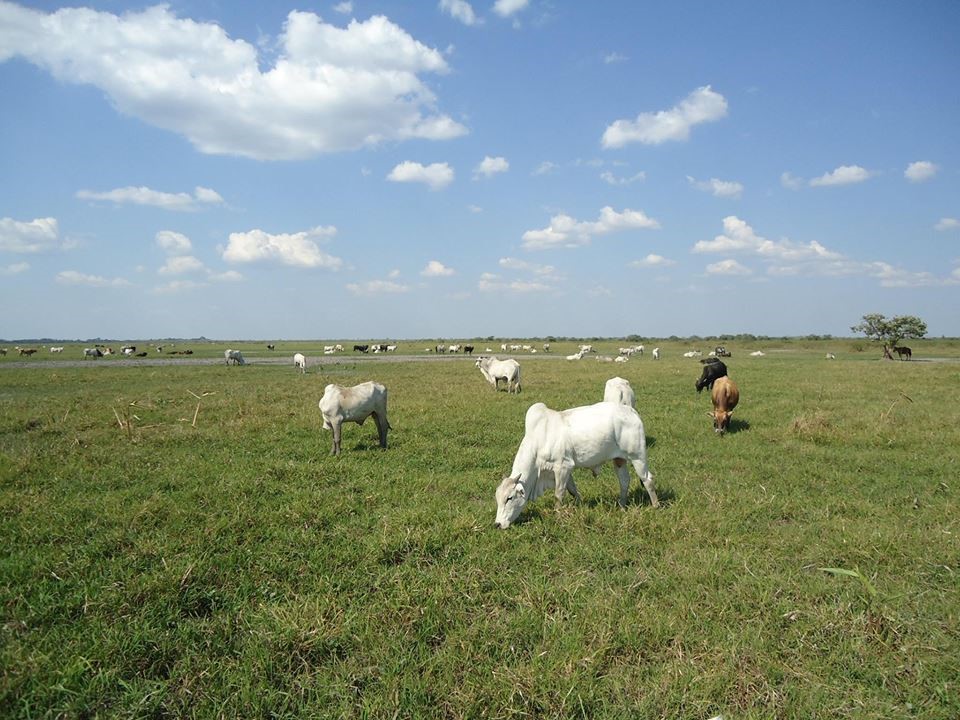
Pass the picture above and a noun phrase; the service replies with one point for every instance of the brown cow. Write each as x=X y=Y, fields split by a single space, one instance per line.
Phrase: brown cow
x=725 y=395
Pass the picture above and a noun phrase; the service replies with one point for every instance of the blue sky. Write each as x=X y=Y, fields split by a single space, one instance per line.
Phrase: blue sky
x=452 y=169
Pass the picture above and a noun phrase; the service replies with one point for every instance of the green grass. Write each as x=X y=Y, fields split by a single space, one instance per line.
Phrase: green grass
x=160 y=561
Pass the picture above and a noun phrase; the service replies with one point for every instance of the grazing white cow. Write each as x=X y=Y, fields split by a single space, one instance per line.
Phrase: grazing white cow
x=496 y=370
x=556 y=442
x=354 y=404
x=618 y=390
x=757 y=353
x=300 y=362
x=656 y=353
x=830 y=356
x=234 y=356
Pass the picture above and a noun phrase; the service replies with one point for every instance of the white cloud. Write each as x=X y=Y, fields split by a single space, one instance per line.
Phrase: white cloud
x=180 y=264
x=920 y=171
x=298 y=249
x=175 y=286
x=460 y=10
x=228 y=276
x=490 y=166
x=790 y=181
x=344 y=8
x=72 y=277
x=506 y=8
x=145 y=196
x=435 y=175
x=718 y=188
x=328 y=88
x=611 y=179
x=947 y=224
x=843 y=175
x=614 y=57
x=653 y=260
x=435 y=268
x=377 y=287
x=728 y=267
x=28 y=237
x=565 y=231
x=173 y=242
x=545 y=168
x=15 y=268
x=740 y=237
x=701 y=106
x=491 y=282
x=544 y=271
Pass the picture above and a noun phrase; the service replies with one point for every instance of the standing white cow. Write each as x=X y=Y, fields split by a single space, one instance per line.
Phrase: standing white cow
x=496 y=370
x=354 y=404
x=300 y=362
x=556 y=442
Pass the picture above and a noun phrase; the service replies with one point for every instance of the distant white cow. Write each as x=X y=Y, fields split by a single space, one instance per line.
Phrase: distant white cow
x=354 y=404
x=757 y=353
x=620 y=359
x=556 y=442
x=300 y=362
x=576 y=356
x=656 y=353
x=831 y=356
x=92 y=352
x=496 y=370
x=234 y=356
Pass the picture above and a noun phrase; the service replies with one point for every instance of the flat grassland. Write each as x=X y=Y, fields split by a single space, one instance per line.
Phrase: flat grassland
x=178 y=542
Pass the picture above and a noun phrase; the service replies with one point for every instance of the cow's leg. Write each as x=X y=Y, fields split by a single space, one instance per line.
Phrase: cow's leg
x=646 y=477
x=623 y=475
x=563 y=478
x=572 y=487
x=336 y=437
x=381 y=429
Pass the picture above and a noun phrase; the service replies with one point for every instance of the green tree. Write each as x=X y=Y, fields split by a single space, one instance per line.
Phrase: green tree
x=890 y=332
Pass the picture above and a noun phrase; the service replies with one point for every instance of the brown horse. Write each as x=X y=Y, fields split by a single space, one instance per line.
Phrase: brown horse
x=904 y=350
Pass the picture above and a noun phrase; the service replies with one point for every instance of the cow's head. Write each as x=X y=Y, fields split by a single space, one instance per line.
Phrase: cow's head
x=721 y=420
x=511 y=497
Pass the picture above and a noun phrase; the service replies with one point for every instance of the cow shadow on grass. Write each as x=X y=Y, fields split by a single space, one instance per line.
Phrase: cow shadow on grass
x=737 y=425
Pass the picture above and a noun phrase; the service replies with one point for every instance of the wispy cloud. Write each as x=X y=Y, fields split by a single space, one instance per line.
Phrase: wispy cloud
x=947 y=224
x=652 y=261
x=843 y=175
x=611 y=179
x=460 y=10
x=614 y=57
x=728 y=267
x=73 y=277
x=14 y=269
x=181 y=201
x=701 y=106
x=377 y=287
x=717 y=188
x=565 y=231
x=508 y=8
x=436 y=175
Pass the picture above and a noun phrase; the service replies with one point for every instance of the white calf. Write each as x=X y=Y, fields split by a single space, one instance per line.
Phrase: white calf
x=354 y=404
x=300 y=362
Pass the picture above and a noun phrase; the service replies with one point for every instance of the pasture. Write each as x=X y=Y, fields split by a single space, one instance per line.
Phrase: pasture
x=178 y=542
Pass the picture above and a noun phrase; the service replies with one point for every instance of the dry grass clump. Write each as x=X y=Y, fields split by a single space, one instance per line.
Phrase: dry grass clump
x=812 y=426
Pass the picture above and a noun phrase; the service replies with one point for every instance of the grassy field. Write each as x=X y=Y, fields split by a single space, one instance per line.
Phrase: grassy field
x=177 y=542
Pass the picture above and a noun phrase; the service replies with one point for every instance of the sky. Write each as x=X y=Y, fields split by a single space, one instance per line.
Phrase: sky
x=458 y=169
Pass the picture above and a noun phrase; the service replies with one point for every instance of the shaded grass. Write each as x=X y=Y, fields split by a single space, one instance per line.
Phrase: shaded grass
x=232 y=567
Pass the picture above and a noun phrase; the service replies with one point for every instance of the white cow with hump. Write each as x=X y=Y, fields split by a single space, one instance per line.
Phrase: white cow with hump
x=354 y=404
x=496 y=370
x=556 y=442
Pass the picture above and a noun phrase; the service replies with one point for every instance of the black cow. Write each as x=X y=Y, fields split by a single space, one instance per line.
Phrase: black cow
x=361 y=348
x=712 y=369
x=468 y=349
x=902 y=351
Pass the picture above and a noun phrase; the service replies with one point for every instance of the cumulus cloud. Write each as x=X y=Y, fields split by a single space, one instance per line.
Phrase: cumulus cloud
x=491 y=166
x=329 y=88
x=297 y=249
x=180 y=264
x=28 y=237
x=947 y=224
x=435 y=268
x=920 y=171
x=565 y=231
x=73 y=277
x=436 y=175
x=15 y=268
x=173 y=242
x=460 y=10
x=145 y=196
x=701 y=106
x=377 y=287
x=653 y=260
x=508 y=8
x=717 y=188
x=739 y=236
x=843 y=175
x=728 y=267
